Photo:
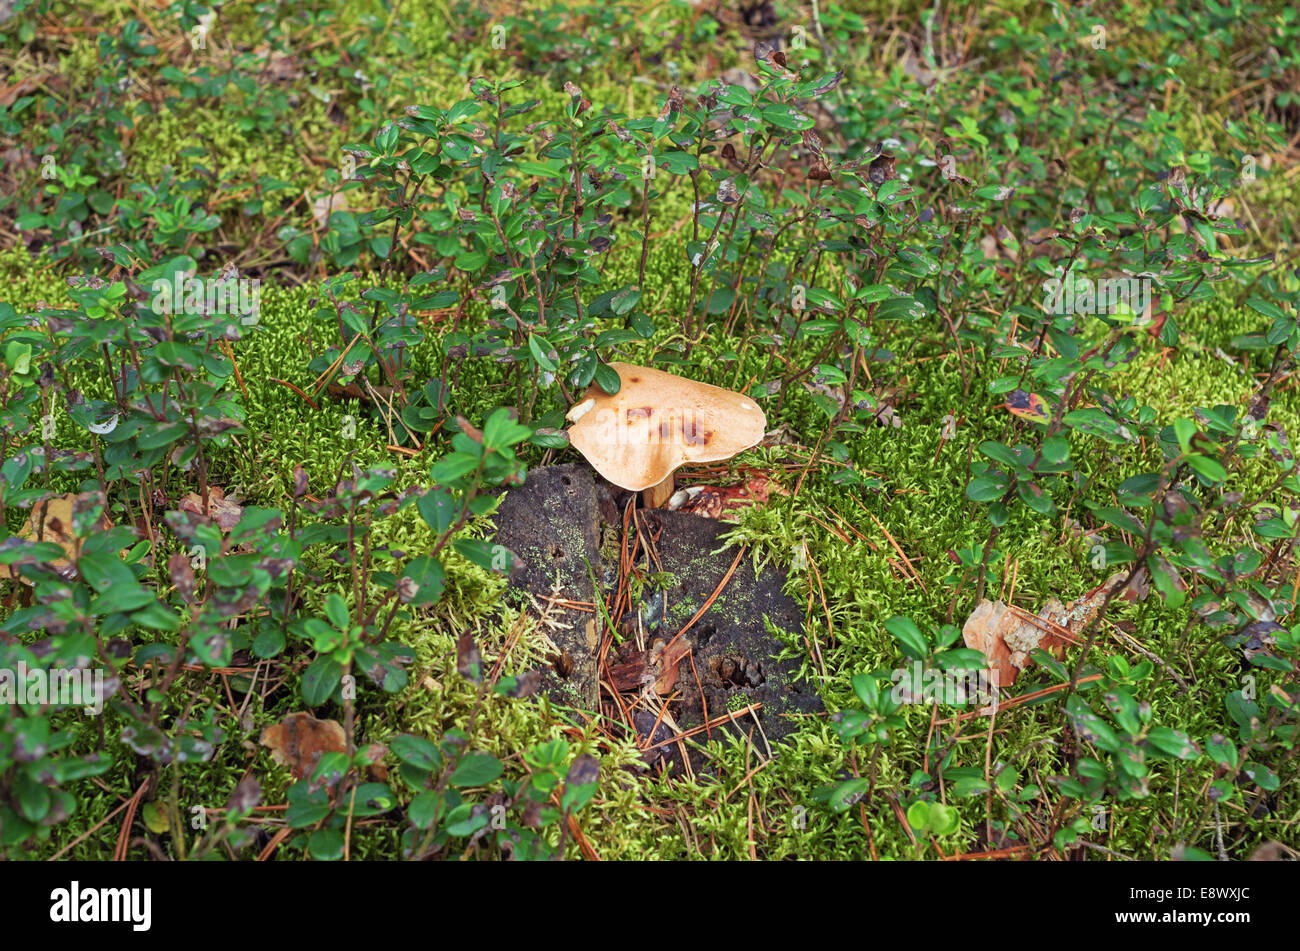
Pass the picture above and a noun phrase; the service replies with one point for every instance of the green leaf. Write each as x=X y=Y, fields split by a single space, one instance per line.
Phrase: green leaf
x=268 y=643
x=416 y=750
x=999 y=453
x=320 y=680
x=1173 y=742
x=428 y=576
x=786 y=117
x=336 y=609
x=969 y=786
x=984 y=489
x=1007 y=779
x=1056 y=449
x=943 y=819
x=1089 y=725
x=1209 y=469
x=156 y=616
x=128 y=596
x=607 y=378
x=893 y=191
x=538 y=168
x=1267 y=308
x=373 y=799
x=438 y=509
x=624 y=300
x=868 y=691
x=325 y=845
x=476 y=769
x=423 y=809
x=1262 y=776
x=164 y=435
x=324 y=637
x=909 y=638
x=462 y=110
x=541 y=348
x=102 y=571
x=1035 y=498
x=452 y=467
x=172 y=354
x=847 y=793
x=486 y=555
x=501 y=431
x=18 y=355
x=463 y=821
x=1280 y=330
x=33 y=797
x=918 y=815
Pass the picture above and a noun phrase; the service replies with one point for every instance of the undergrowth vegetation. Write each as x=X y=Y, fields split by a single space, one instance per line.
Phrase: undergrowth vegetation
x=293 y=292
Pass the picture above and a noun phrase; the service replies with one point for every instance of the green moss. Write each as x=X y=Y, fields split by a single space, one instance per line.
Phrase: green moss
x=195 y=139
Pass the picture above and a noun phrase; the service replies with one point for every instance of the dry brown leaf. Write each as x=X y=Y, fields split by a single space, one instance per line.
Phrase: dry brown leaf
x=980 y=633
x=280 y=66
x=783 y=435
x=726 y=503
x=226 y=511
x=659 y=666
x=669 y=661
x=324 y=206
x=24 y=86
x=1006 y=634
x=57 y=513
x=299 y=740
x=633 y=673
x=376 y=770
x=354 y=392
x=1271 y=851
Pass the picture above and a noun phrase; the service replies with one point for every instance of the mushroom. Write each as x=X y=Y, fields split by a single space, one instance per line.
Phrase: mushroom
x=638 y=437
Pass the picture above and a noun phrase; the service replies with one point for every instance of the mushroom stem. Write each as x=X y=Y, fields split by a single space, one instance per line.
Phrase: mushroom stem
x=657 y=496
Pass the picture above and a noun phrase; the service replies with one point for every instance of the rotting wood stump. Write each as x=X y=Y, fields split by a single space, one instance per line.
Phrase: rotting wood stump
x=726 y=661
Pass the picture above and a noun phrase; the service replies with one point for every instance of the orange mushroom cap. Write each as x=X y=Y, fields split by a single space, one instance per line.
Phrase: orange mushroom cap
x=638 y=437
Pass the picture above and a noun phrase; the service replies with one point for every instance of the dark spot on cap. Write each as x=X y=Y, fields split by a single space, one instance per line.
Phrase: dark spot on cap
x=634 y=379
x=642 y=412
x=692 y=435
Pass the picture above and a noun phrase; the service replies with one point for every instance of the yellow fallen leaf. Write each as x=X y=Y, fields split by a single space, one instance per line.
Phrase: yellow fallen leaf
x=155 y=817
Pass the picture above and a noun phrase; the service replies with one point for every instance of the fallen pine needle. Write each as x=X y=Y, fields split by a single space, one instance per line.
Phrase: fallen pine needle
x=709 y=602
x=225 y=345
x=729 y=717
x=310 y=402
x=280 y=836
x=87 y=833
x=123 y=837
x=1023 y=698
x=901 y=554
x=995 y=854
